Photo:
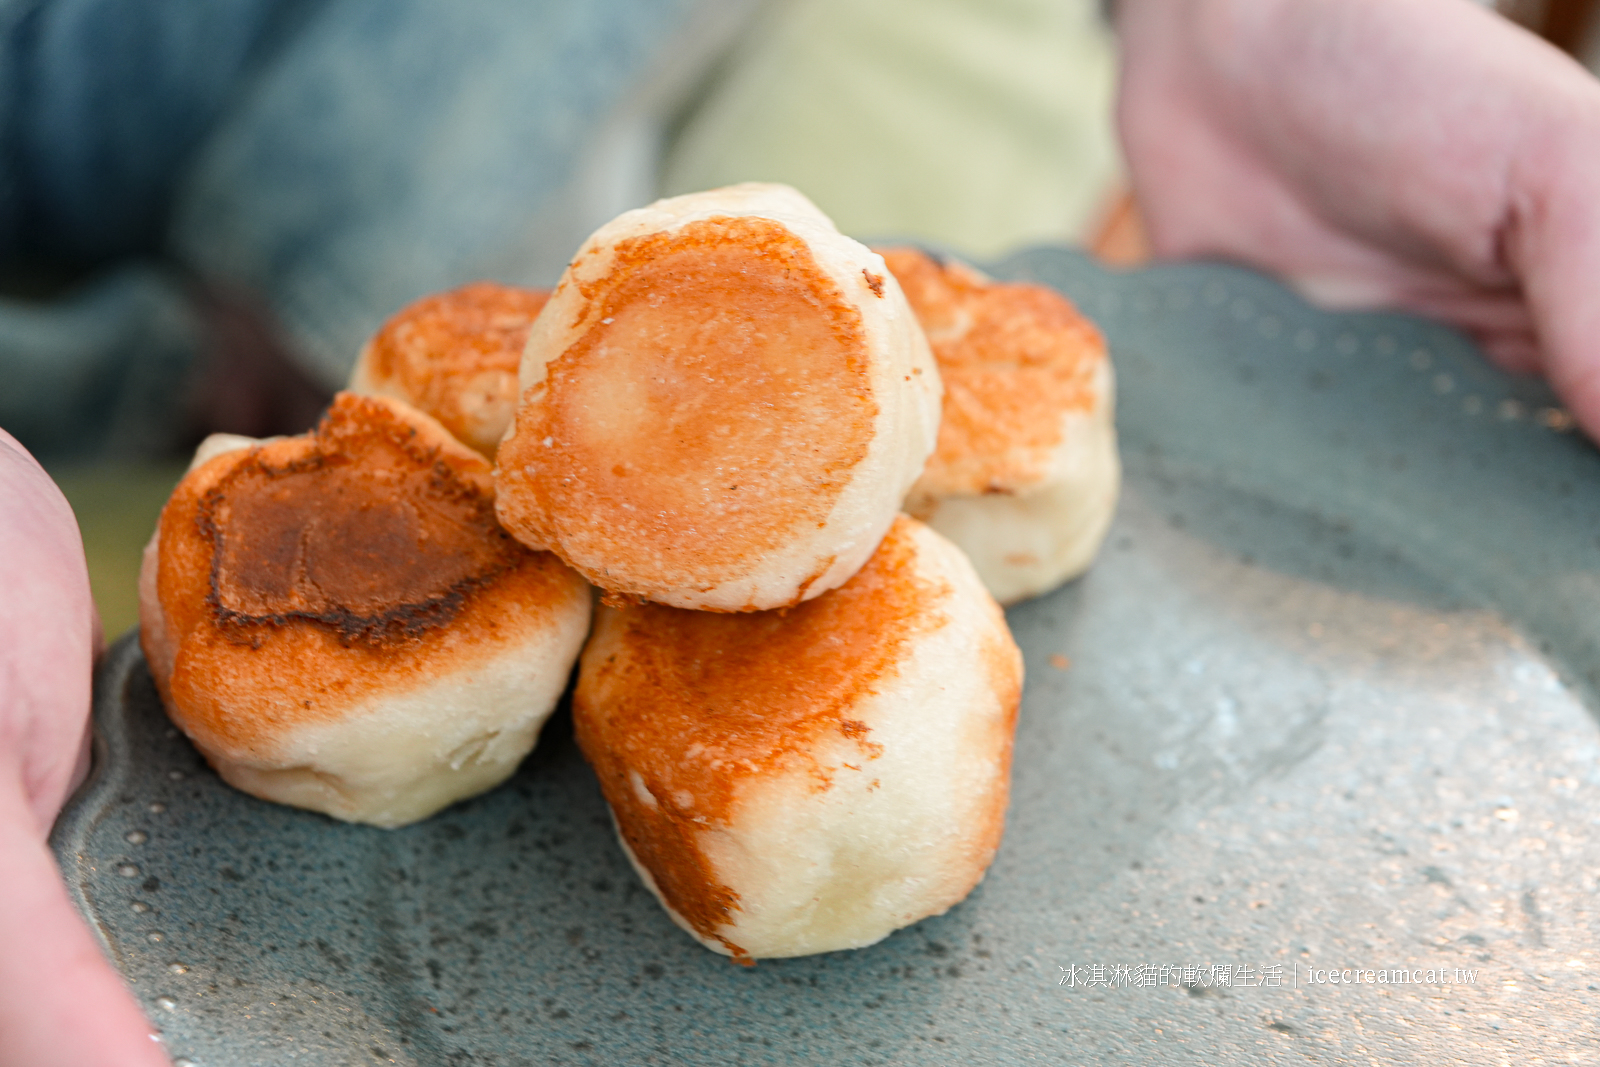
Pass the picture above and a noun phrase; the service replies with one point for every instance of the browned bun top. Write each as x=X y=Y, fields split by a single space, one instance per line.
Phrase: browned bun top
x=699 y=703
x=1014 y=358
x=451 y=352
x=714 y=403
x=305 y=573
x=368 y=531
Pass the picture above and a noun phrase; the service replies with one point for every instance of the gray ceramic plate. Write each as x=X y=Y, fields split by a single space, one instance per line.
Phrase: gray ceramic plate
x=1322 y=706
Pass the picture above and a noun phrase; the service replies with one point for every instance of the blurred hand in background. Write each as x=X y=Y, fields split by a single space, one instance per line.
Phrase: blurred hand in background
x=1420 y=154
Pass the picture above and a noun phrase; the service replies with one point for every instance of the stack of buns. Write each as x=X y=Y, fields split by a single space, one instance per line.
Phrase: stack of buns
x=799 y=701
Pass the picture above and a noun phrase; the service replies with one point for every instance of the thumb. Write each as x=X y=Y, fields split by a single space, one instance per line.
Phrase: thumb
x=60 y=1001
x=1556 y=246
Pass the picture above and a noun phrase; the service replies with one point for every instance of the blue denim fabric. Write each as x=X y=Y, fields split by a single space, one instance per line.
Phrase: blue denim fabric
x=333 y=158
x=102 y=103
x=109 y=99
x=403 y=146
x=102 y=372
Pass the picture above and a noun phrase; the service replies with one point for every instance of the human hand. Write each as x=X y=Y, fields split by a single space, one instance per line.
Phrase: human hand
x=1422 y=154
x=60 y=1002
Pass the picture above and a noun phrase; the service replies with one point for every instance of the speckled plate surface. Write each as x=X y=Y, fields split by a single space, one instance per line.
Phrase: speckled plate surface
x=1324 y=705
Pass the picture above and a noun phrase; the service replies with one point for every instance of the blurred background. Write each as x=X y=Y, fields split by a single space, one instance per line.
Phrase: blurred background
x=206 y=252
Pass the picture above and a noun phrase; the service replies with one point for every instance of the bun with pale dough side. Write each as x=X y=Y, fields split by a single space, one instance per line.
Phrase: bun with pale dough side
x=722 y=405
x=338 y=623
x=800 y=781
x=1026 y=474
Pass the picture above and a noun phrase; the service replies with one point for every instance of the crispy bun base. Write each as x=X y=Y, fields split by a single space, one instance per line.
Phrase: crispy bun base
x=1026 y=473
x=454 y=355
x=804 y=781
x=723 y=404
x=319 y=658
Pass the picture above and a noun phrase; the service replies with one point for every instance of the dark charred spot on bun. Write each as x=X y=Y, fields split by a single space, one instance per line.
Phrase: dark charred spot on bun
x=372 y=534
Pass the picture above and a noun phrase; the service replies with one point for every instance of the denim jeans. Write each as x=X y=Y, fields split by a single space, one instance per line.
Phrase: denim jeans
x=334 y=159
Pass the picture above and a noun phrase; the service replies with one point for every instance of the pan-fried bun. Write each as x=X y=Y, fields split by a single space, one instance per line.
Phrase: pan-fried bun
x=809 y=780
x=454 y=355
x=338 y=623
x=723 y=405
x=1025 y=476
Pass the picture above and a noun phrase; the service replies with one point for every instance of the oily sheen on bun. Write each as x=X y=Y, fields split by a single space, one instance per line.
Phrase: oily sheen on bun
x=338 y=623
x=454 y=355
x=723 y=404
x=1025 y=476
x=801 y=781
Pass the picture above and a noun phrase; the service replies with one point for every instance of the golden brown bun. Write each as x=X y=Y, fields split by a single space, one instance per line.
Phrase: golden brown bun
x=337 y=621
x=723 y=404
x=454 y=355
x=800 y=781
x=1025 y=474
